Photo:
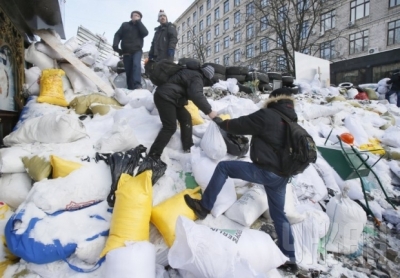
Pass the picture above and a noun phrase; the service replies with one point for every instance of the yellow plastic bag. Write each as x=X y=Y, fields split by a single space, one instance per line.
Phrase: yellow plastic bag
x=373 y=146
x=225 y=117
x=62 y=167
x=165 y=215
x=131 y=216
x=51 y=87
x=102 y=109
x=9 y=257
x=82 y=104
x=38 y=168
x=194 y=113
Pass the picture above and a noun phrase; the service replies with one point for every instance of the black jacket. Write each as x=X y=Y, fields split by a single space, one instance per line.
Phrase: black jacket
x=131 y=35
x=193 y=83
x=268 y=131
x=164 y=38
x=395 y=81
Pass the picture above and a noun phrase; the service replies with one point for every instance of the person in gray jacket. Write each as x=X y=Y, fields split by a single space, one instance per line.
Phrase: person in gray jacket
x=164 y=40
x=131 y=35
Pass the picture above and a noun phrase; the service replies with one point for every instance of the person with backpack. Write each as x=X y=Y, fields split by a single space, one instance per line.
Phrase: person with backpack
x=395 y=89
x=170 y=99
x=164 y=40
x=269 y=133
x=131 y=35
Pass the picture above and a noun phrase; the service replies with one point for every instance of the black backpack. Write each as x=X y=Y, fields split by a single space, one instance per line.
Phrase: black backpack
x=299 y=149
x=237 y=145
x=160 y=72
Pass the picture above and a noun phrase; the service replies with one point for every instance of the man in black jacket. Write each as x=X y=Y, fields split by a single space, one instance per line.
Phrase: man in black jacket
x=131 y=35
x=164 y=40
x=268 y=136
x=395 y=89
x=170 y=99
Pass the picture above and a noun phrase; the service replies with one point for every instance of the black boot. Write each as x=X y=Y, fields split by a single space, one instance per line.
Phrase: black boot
x=200 y=211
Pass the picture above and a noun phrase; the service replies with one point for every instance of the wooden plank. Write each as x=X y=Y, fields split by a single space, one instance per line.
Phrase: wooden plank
x=55 y=44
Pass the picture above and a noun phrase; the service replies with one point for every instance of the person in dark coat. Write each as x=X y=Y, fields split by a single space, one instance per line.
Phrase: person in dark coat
x=268 y=132
x=395 y=89
x=170 y=99
x=131 y=35
x=164 y=40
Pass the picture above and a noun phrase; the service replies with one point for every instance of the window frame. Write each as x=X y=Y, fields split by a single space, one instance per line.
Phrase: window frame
x=364 y=37
x=226 y=24
x=237 y=55
x=328 y=16
x=216 y=14
x=226 y=6
x=354 y=8
x=327 y=45
x=226 y=42
x=216 y=47
x=236 y=17
x=249 y=51
x=393 y=30
x=263 y=45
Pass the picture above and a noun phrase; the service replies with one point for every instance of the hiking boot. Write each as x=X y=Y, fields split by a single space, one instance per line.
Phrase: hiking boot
x=290 y=267
x=197 y=208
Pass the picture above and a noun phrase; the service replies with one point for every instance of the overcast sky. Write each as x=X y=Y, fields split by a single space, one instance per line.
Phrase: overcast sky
x=106 y=16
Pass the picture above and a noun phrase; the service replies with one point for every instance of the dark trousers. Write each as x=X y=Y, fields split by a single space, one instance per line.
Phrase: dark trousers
x=169 y=113
x=133 y=69
x=274 y=185
x=391 y=92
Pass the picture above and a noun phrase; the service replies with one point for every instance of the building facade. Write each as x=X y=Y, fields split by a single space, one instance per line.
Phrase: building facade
x=249 y=33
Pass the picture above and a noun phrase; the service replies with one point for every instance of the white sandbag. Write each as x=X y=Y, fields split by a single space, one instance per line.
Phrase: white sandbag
x=79 y=82
x=351 y=93
x=72 y=44
x=383 y=87
x=199 y=130
x=50 y=128
x=39 y=59
x=10 y=160
x=347 y=223
x=120 y=139
x=203 y=169
x=32 y=77
x=291 y=212
x=375 y=208
x=395 y=167
x=87 y=53
x=211 y=253
x=327 y=173
x=309 y=185
x=137 y=98
x=331 y=132
x=111 y=61
x=213 y=143
x=82 y=187
x=136 y=260
x=249 y=207
x=46 y=49
x=14 y=188
x=313 y=111
x=353 y=124
x=391 y=137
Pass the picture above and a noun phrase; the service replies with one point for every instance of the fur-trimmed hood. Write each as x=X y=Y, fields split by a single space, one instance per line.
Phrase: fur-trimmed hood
x=276 y=99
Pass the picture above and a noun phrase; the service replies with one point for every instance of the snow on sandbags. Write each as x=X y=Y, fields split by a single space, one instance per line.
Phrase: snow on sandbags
x=79 y=82
x=11 y=160
x=312 y=111
x=309 y=185
x=212 y=142
x=229 y=85
x=203 y=169
x=82 y=187
x=249 y=207
x=209 y=252
x=46 y=49
x=87 y=53
x=39 y=59
x=395 y=167
x=352 y=123
x=14 y=188
x=199 y=130
x=237 y=107
x=120 y=139
x=111 y=61
x=391 y=137
x=135 y=260
x=327 y=173
x=32 y=77
x=331 y=132
x=347 y=223
x=134 y=97
x=72 y=44
x=50 y=128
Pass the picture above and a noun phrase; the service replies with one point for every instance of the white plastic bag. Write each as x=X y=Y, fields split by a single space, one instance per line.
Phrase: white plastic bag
x=87 y=53
x=79 y=82
x=39 y=59
x=14 y=188
x=309 y=185
x=120 y=139
x=213 y=143
x=46 y=49
x=10 y=160
x=32 y=76
x=72 y=43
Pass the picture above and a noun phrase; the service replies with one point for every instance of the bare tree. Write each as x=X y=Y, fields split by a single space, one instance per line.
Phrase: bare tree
x=195 y=45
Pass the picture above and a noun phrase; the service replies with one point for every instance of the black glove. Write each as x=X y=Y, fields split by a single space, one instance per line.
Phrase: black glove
x=218 y=120
x=116 y=49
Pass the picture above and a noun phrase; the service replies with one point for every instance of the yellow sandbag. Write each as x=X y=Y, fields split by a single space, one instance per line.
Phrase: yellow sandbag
x=372 y=95
x=132 y=210
x=164 y=215
x=224 y=116
x=62 y=167
x=81 y=104
x=51 y=87
x=38 y=168
x=102 y=109
x=194 y=113
x=373 y=146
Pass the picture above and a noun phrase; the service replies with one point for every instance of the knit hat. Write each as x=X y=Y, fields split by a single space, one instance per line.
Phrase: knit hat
x=137 y=12
x=281 y=92
x=208 y=71
x=160 y=14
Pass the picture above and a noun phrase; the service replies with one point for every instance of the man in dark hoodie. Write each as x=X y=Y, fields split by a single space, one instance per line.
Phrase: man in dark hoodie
x=268 y=132
x=395 y=89
x=131 y=35
x=164 y=40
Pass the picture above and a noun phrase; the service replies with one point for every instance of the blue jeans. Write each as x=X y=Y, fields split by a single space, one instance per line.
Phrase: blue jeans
x=275 y=186
x=391 y=92
x=133 y=69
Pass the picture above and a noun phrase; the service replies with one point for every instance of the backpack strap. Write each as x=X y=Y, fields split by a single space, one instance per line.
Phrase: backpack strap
x=283 y=116
x=286 y=119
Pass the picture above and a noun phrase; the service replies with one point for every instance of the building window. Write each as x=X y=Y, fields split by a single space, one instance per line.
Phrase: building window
x=237 y=55
x=226 y=6
x=359 y=9
x=178 y=29
x=208 y=20
x=183 y=52
x=237 y=36
x=208 y=51
x=201 y=10
x=327 y=50
x=282 y=13
x=280 y=39
x=394 y=32
x=263 y=3
x=216 y=30
x=201 y=40
x=201 y=25
x=236 y=18
x=264 y=65
x=194 y=17
x=328 y=20
x=236 y=3
x=226 y=42
x=249 y=31
x=281 y=63
x=302 y=5
x=226 y=60
x=216 y=13
x=393 y=3
x=263 y=45
x=183 y=26
x=263 y=23
x=216 y=60
x=304 y=30
x=208 y=4
x=358 y=42
x=183 y=38
x=216 y=47
x=188 y=21
x=249 y=51
x=189 y=35
x=208 y=35
x=188 y=49
x=250 y=9
x=194 y=30
x=226 y=24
